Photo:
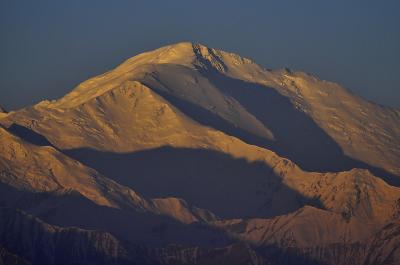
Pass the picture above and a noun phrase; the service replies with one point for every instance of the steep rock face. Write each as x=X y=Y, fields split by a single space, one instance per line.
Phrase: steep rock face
x=36 y=242
x=380 y=248
x=278 y=244
x=305 y=228
x=40 y=243
x=384 y=246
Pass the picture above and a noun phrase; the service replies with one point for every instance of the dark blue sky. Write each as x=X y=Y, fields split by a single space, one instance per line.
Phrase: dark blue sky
x=48 y=47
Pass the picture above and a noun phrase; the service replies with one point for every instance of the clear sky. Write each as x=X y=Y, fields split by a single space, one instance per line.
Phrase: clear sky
x=47 y=47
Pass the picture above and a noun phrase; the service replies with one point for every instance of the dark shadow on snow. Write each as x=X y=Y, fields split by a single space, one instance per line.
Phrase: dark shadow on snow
x=71 y=209
x=297 y=136
x=28 y=135
x=228 y=187
x=145 y=236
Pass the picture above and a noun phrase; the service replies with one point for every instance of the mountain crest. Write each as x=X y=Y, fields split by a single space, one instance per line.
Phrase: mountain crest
x=3 y=112
x=189 y=145
x=208 y=56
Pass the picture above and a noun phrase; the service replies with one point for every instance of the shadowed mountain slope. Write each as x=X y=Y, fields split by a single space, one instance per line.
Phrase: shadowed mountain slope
x=296 y=135
x=234 y=188
x=41 y=243
x=143 y=120
x=242 y=99
x=134 y=118
x=29 y=168
x=201 y=156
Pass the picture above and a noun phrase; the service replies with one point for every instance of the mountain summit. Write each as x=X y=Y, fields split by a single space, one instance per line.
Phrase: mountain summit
x=318 y=124
x=192 y=155
x=3 y=112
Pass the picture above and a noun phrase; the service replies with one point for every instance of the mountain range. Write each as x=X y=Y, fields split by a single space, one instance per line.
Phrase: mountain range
x=192 y=155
